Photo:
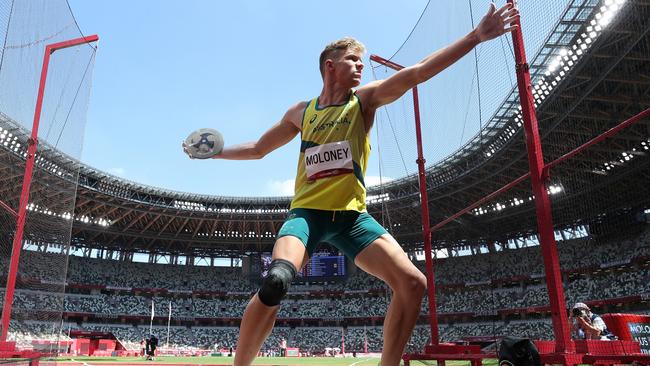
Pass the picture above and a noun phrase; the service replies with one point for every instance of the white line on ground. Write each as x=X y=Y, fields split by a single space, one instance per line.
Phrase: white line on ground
x=367 y=359
x=81 y=362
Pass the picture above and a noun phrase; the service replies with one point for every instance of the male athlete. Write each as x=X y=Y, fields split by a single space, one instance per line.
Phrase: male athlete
x=329 y=203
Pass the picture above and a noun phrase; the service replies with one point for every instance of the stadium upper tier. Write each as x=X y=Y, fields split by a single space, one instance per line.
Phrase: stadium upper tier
x=586 y=78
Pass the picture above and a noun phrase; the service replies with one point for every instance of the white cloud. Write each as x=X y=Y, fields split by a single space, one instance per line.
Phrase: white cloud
x=118 y=171
x=281 y=187
x=374 y=180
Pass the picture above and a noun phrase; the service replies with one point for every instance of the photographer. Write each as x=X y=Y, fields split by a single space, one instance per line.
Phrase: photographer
x=587 y=325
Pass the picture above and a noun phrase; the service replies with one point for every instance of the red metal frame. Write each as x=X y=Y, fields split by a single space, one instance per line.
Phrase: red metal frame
x=424 y=199
x=550 y=357
x=563 y=343
x=612 y=131
x=474 y=205
x=27 y=180
x=564 y=347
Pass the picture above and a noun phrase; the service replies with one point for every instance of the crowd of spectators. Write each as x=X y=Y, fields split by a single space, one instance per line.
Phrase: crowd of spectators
x=479 y=284
x=24 y=332
x=573 y=254
x=478 y=300
x=154 y=276
x=470 y=269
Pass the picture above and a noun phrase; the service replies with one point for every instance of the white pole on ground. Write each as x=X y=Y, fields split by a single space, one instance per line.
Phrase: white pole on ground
x=169 y=319
x=151 y=321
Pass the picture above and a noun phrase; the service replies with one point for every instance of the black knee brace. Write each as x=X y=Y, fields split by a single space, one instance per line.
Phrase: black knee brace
x=277 y=281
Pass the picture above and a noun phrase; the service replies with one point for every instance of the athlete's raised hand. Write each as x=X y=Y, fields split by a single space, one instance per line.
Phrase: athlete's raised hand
x=497 y=22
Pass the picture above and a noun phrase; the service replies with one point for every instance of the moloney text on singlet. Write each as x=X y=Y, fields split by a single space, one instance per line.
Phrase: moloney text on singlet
x=327 y=156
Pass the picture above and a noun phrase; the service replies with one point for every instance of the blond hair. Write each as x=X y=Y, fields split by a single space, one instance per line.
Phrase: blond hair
x=332 y=50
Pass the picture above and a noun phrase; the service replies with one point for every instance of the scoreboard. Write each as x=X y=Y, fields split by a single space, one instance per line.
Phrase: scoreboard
x=325 y=266
x=640 y=332
x=320 y=265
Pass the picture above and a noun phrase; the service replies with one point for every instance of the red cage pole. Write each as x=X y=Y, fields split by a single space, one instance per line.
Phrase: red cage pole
x=563 y=343
x=27 y=180
x=612 y=131
x=424 y=200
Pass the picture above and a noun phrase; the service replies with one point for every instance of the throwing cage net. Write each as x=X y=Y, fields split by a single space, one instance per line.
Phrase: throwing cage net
x=26 y=28
x=482 y=208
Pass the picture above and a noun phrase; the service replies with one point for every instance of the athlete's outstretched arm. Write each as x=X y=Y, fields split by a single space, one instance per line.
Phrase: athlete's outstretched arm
x=494 y=23
x=278 y=135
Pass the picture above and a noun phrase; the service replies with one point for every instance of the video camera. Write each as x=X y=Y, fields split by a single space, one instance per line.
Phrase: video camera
x=579 y=313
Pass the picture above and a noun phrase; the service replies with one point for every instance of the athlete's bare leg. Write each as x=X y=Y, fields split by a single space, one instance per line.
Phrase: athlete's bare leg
x=385 y=259
x=258 y=319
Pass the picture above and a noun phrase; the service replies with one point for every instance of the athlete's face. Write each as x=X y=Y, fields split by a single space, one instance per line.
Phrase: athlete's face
x=349 y=66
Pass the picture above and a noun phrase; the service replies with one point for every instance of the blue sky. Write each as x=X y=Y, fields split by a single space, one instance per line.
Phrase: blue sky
x=165 y=68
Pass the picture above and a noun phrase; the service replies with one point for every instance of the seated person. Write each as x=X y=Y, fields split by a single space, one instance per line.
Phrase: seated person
x=587 y=325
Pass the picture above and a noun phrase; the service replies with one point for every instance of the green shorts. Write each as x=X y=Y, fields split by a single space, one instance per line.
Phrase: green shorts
x=349 y=231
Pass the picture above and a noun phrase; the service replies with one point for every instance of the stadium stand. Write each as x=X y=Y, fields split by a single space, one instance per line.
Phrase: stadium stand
x=111 y=292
